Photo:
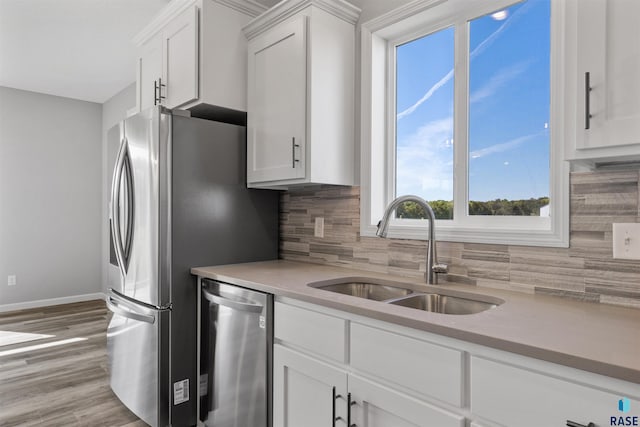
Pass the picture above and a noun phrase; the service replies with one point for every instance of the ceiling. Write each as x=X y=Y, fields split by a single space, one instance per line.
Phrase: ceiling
x=78 y=49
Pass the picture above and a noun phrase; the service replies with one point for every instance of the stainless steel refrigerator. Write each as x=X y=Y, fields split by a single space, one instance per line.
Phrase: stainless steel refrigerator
x=178 y=200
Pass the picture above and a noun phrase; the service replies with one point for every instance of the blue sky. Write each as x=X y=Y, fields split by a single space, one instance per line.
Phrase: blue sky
x=508 y=112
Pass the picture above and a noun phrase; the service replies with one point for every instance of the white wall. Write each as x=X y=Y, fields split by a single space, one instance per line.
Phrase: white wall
x=50 y=198
x=113 y=111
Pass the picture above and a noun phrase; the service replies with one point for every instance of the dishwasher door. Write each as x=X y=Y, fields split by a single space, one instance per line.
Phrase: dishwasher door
x=236 y=347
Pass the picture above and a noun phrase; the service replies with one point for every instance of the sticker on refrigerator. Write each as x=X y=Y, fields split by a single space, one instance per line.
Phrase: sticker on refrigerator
x=204 y=385
x=180 y=392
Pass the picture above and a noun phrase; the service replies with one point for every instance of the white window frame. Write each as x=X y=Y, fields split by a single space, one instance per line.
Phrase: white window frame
x=379 y=38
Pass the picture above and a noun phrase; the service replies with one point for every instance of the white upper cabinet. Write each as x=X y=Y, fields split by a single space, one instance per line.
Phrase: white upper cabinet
x=194 y=52
x=180 y=54
x=605 y=80
x=149 y=72
x=300 y=109
x=277 y=103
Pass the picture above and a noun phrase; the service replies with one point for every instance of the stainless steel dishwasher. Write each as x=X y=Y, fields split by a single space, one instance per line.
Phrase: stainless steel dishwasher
x=236 y=349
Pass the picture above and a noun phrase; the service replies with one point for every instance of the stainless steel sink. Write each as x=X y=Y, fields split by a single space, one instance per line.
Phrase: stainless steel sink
x=368 y=290
x=443 y=301
x=446 y=304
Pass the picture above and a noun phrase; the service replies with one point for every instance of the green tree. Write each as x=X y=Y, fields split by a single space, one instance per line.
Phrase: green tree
x=443 y=209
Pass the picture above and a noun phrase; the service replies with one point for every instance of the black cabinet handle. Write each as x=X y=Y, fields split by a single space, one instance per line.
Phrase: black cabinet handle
x=157 y=91
x=350 y=403
x=574 y=424
x=333 y=416
x=293 y=152
x=587 y=100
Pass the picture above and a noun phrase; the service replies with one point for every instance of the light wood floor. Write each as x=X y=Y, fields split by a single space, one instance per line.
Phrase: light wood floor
x=66 y=383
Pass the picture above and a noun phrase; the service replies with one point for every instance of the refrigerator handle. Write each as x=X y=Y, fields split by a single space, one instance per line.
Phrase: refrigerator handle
x=115 y=307
x=128 y=171
x=115 y=215
x=236 y=305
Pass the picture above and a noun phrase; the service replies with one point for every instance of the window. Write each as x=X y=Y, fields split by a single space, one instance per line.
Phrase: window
x=464 y=112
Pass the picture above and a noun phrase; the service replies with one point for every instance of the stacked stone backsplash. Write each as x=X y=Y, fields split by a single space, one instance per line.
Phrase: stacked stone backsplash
x=585 y=270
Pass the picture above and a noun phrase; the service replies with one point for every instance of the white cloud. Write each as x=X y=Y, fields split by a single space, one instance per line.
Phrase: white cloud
x=498 y=80
x=425 y=161
x=499 y=148
x=427 y=95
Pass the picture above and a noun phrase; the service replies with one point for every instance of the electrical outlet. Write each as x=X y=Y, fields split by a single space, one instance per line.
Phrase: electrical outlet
x=626 y=241
x=11 y=280
x=319 y=228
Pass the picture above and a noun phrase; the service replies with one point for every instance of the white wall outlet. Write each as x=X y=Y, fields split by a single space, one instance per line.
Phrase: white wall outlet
x=626 y=241
x=11 y=280
x=319 y=228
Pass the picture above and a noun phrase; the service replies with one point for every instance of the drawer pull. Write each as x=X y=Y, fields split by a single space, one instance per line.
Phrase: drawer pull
x=350 y=403
x=575 y=424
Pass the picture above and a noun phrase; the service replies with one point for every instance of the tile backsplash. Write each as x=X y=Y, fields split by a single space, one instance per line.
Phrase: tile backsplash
x=585 y=270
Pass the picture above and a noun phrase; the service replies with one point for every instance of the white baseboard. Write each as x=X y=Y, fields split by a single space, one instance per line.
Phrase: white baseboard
x=50 y=301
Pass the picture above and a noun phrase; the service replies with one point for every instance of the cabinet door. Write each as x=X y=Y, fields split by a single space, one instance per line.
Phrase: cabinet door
x=303 y=391
x=149 y=72
x=608 y=49
x=378 y=406
x=180 y=53
x=277 y=94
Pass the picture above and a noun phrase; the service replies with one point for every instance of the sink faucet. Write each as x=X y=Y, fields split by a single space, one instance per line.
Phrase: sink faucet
x=433 y=267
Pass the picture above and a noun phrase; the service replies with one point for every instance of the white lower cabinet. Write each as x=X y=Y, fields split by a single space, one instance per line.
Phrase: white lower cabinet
x=333 y=368
x=375 y=405
x=305 y=390
x=310 y=393
x=517 y=396
x=409 y=363
x=332 y=372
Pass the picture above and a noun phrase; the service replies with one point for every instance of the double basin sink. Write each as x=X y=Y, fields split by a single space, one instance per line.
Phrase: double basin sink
x=442 y=301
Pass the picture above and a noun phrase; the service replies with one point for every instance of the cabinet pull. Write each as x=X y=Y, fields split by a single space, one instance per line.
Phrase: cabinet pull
x=587 y=100
x=293 y=152
x=574 y=424
x=157 y=91
x=350 y=403
x=333 y=417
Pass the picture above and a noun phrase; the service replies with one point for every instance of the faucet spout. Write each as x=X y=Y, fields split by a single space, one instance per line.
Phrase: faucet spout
x=433 y=267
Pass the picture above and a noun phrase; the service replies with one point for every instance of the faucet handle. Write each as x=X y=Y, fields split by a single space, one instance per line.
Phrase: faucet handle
x=440 y=268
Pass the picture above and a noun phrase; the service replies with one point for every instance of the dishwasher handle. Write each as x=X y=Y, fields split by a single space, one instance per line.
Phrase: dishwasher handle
x=236 y=305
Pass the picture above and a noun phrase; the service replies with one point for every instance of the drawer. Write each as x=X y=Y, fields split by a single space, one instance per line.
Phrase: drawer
x=381 y=406
x=511 y=396
x=425 y=368
x=316 y=332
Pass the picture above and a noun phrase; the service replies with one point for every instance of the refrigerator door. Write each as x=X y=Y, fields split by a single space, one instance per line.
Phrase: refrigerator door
x=139 y=205
x=137 y=348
